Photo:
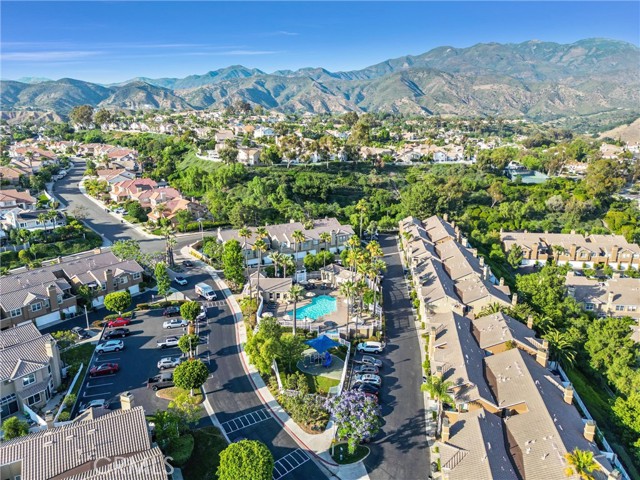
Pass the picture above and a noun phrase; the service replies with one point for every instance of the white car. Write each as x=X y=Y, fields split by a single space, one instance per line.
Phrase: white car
x=366 y=369
x=175 y=323
x=120 y=210
x=202 y=316
x=168 y=342
x=368 y=378
x=368 y=360
x=370 y=347
x=169 y=362
x=110 y=346
x=181 y=281
x=98 y=403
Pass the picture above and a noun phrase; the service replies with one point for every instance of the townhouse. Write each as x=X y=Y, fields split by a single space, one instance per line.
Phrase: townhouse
x=579 y=251
x=614 y=297
x=116 y=445
x=47 y=294
x=280 y=238
x=12 y=198
x=29 y=368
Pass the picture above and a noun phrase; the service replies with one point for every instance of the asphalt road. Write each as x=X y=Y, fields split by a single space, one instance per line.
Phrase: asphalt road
x=400 y=451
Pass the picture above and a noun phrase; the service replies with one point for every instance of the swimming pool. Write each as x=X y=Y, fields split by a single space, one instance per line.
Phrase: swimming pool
x=319 y=306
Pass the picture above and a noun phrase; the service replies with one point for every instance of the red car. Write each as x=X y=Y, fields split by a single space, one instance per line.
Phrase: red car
x=119 y=322
x=104 y=369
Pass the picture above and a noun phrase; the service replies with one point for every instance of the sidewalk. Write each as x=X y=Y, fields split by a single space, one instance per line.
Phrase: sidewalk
x=317 y=445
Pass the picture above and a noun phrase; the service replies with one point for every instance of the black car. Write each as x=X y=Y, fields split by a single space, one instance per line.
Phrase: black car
x=116 y=333
x=80 y=332
x=171 y=311
x=187 y=264
x=366 y=388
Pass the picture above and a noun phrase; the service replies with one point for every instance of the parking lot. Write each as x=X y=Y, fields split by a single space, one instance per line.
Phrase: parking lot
x=138 y=361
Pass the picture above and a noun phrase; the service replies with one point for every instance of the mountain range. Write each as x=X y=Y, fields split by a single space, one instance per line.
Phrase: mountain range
x=534 y=79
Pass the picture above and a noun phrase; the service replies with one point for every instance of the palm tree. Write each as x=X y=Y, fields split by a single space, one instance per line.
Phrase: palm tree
x=53 y=215
x=347 y=289
x=438 y=390
x=581 y=463
x=375 y=250
x=43 y=218
x=245 y=233
x=326 y=238
x=361 y=208
x=170 y=242
x=561 y=348
x=298 y=238
x=287 y=263
x=296 y=293
x=159 y=210
x=354 y=256
x=277 y=259
x=259 y=246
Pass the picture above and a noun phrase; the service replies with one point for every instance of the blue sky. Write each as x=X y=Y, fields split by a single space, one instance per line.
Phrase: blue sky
x=114 y=41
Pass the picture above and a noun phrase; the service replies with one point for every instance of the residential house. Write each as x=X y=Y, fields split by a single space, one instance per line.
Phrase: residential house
x=114 y=175
x=249 y=156
x=261 y=132
x=157 y=196
x=31 y=220
x=131 y=189
x=615 y=297
x=335 y=275
x=223 y=135
x=29 y=369
x=11 y=174
x=116 y=445
x=579 y=251
x=271 y=289
x=173 y=206
x=12 y=198
x=45 y=294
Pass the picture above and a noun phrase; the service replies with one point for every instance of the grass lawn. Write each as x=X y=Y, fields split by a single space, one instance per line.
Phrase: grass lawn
x=172 y=393
x=205 y=458
x=191 y=159
x=599 y=405
x=319 y=384
x=77 y=355
x=341 y=449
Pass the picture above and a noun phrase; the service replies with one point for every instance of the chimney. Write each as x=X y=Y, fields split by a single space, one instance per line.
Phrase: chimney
x=514 y=299
x=614 y=254
x=97 y=251
x=485 y=272
x=126 y=401
x=446 y=429
x=51 y=349
x=48 y=417
x=453 y=224
x=573 y=232
x=542 y=356
x=502 y=281
x=439 y=371
x=53 y=297
x=568 y=394
x=445 y=217
x=614 y=474
x=432 y=340
x=590 y=430
x=530 y=322
x=481 y=260
x=108 y=279
x=501 y=231
x=572 y=252
x=609 y=301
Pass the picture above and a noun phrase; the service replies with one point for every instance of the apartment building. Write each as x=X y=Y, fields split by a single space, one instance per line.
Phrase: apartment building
x=579 y=251
x=280 y=238
x=615 y=297
x=115 y=445
x=45 y=294
x=29 y=368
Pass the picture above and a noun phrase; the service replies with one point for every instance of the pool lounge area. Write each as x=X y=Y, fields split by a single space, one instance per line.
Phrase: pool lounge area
x=318 y=307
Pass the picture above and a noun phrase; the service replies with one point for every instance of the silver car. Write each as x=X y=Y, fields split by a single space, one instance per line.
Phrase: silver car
x=110 y=346
x=169 y=362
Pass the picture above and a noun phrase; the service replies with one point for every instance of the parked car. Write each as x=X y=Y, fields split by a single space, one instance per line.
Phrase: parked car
x=369 y=360
x=187 y=264
x=168 y=342
x=104 y=369
x=120 y=211
x=171 y=311
x=205 y=291
x=169 y=362
x=368 y=378
x=370 y=347
x=366 y=388
x=201 y=317
x=175 y=323
x=181 y=281
x=366 y=369
x=162 y=380
x=119 y=322
x=97 y=403
x=116 y=333
x=110 y=346
x=80 y=332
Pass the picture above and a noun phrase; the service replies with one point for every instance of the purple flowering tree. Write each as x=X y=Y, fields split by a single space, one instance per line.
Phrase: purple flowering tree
x=356 y=416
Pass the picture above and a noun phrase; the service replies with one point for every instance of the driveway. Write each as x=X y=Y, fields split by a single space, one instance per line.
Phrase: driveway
x=400 y=451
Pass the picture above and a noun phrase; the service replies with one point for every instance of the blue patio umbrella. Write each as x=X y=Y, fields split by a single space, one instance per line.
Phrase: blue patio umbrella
x=322 y=343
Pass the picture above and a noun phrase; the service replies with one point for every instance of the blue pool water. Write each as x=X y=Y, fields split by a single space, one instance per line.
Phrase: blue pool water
x=319 y=306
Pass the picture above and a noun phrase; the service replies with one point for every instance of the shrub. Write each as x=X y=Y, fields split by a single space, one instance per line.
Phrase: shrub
x=246 y=460
x=13 y=427
x=181 y=449
x=64 y=416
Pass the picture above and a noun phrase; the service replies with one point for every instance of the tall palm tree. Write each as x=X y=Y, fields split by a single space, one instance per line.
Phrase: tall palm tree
x=53 y=215
x=326 y=238
x=170 y=242
x=298 y=238
x=287 y=262
x=277 y=258
x=43 y=218
x=361 y=208
x=561 y=348
x=438 y=390
x=245 y=233
x=259 y=246
x=296 y=293
x=354 y=257
x=581 y=463
x=375 y=250
x=347 y=289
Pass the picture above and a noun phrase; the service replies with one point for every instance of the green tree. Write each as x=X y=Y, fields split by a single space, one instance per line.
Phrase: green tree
x=515 y=256
x=163 y=281
x=190 y=310
x=102 y=117
x=14 y=427
x=190 y=375
x=604 y=177
x=270 y=155
x=581 y=463
x=184 y=217
x=263 y=346
x=167 y=428
x=81 y=115
x=118 y=301
x=438 y=390
x=228 y=154
x=188 y=343
x=562 y=348
x=290 y=351
x=296 y=293
x=232 y=260
x=246 y=460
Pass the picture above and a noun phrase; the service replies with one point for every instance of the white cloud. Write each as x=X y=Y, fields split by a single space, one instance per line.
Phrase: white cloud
x=47 y=56
x=248 y=52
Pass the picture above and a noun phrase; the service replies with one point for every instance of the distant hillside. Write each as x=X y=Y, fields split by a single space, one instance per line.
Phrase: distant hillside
x=534 y=79
x=627 y=133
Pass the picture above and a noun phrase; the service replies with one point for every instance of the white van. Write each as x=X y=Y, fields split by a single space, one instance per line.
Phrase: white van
x=205 y=291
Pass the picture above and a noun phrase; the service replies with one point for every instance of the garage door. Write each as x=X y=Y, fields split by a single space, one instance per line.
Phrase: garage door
x=135 y=289
x=47 y=319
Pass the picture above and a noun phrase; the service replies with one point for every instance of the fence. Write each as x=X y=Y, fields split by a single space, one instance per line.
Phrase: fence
x=69 y=391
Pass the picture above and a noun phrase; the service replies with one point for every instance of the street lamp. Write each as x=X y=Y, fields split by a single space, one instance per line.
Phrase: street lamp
x=200 y=220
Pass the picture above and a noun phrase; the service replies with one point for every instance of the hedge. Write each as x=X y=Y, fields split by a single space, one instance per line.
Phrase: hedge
x=151 y=306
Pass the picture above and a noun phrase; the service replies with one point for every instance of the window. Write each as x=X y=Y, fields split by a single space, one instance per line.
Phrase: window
x=631 y=308
x=103 y=286
x=34 y=399
x=23 y=225
x=619 y=308
x=136 y=276
x=36 y=307
x=29 y=379
x=123 y=279
x=47 y=303
x=15 y=313
x=59 y=298
x=589 y=306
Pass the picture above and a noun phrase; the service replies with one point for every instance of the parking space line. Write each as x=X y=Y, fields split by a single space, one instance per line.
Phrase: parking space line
x=86 y=395
x=246 y=420
x=107 y=361
x=98 y=386
x=298 y=455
